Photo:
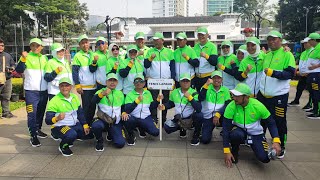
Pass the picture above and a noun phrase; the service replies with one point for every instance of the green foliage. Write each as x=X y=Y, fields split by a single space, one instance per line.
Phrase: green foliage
x=15 y=105
x=71 y=12
x=17 y=85
x=292 y=16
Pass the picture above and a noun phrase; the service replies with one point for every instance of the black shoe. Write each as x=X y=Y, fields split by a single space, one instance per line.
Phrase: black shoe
x=293 y=103
x=221 y=132
x=131 y=140
x=313 y=116
x=142 y=133
x=235 y=154
x=195 y=141
x=309 y=111
x=307 y=107
x=41 y=134
x=65 y=150
x=34 y=141
x=99 y=146
x=108 y=138
x=70 y=145
x=282 y=153
x=8 y=115
x=55 y=138
x=183 y=133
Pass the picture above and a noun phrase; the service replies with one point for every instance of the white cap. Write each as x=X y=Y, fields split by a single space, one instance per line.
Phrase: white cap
x=305 y=40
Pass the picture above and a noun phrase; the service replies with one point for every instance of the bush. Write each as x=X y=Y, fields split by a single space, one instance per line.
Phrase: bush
x=17 y=86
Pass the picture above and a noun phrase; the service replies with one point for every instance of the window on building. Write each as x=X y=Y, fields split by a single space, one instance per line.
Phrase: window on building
x=221 y=36
x=190 y=34
x=167 y=34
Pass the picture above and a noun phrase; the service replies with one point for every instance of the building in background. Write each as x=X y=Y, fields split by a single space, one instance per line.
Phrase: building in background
x=169 y=8
x=212 y=7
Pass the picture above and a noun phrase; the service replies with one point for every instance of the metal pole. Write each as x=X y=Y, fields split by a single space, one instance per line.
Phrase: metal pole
x=15 y=41
x=22 y=34
x=307 y=22
x=62 y=30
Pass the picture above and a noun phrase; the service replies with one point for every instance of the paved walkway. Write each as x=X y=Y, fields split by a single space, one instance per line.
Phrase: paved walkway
x=172 y=158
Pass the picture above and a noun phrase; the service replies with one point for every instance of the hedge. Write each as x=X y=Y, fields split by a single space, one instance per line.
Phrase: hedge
x=17 y=86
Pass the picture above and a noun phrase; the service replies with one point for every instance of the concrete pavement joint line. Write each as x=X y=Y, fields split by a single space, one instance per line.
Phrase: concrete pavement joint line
x=239 y=171
x=15 y=154
x=289 y=169
x=94 y=164
x=144 y=153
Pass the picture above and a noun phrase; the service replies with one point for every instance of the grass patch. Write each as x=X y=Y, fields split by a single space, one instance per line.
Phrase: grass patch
x=15 y=105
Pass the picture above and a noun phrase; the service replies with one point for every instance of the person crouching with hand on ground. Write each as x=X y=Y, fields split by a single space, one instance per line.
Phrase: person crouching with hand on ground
x=241 y=124
x=66 y=116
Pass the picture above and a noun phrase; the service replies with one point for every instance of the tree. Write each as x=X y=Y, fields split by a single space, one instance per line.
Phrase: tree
x=291 y=17
x=66 y=18
x=245 y=6
x=10 y=17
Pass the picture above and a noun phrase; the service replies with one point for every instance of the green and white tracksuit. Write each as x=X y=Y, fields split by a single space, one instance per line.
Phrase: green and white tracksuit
x=102 y=66
x=254 y=76
x=53 y=75
x=128 y=71
x=205 y=68
x=182 y=64
x=228 y=80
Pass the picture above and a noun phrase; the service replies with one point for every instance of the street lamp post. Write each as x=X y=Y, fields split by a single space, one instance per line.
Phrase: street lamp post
x=257 y=21
x=307 y=11
x=108 y=24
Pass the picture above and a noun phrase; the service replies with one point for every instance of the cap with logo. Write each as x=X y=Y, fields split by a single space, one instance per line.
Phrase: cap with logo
x=82 y=37
x=216 y=73
x=139 y=76
x=241 y=89
x=253 y=40
x=274 y=34
x=139 y=35
x=157 y=35
x=100 y=38
x=112 y=76
x=202 y=30
x=35 y=40
x=185 y=76
x=314 y=36
x=56 y=47
x=181 y=36
x=65 y=80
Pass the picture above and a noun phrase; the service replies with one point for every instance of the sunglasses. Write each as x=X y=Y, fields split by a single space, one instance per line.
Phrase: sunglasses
x=139 y=81
x=100 y=43
x=225 y=47
x=114 y=49
x=133 y=51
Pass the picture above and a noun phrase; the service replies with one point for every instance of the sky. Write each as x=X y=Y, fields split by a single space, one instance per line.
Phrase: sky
x=134 y=8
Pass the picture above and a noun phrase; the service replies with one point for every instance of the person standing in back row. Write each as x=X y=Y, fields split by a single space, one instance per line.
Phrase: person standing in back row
x=207 y=53
x=162 y=66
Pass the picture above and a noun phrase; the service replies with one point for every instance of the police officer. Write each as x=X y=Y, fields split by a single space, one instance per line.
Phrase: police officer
x=66 y=117
x=241 y=124
x=32 y=65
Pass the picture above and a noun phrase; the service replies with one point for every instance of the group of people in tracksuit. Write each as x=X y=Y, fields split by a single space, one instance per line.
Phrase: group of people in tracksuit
x=245 y=93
